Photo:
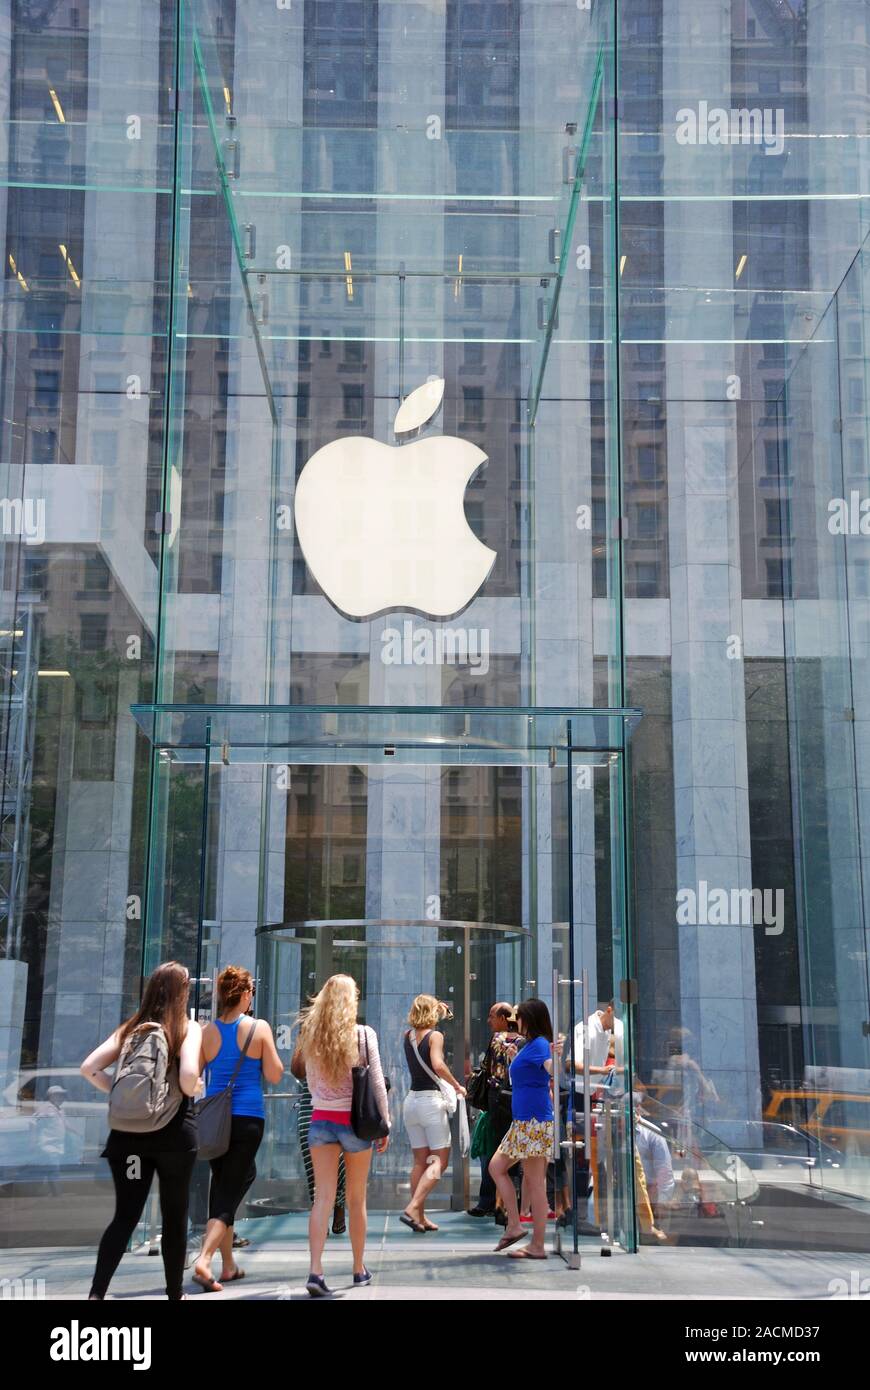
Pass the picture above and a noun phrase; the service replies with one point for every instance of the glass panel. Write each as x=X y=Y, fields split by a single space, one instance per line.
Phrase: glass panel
x=596 y=1173
x=391 y=962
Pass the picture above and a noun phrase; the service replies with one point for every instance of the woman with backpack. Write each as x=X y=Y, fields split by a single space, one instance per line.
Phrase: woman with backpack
x=157 y=1064
x=237 y=1051
x=331 y=1044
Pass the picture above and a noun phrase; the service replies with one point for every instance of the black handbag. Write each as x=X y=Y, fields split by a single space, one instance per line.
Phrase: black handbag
x=214 y=1115
x=366 y=1119
x=477 y=1085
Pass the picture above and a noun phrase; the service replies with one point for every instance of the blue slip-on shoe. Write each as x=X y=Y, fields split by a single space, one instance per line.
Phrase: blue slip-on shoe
x=364 y=1278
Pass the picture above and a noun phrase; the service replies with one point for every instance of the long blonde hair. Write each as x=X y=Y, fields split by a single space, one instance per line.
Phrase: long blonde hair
x=327 y=1028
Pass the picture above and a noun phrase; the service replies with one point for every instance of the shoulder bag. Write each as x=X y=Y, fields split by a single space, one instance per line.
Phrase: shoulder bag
x=447 y=1091
x=214 y=1115
x=477 y=1087
x=366 y=1119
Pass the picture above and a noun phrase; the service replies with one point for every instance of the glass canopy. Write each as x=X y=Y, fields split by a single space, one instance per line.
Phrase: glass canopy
x=342 y=734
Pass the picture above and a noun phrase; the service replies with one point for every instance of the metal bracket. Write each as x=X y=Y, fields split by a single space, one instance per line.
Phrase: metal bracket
x=232 y=158
x=162 y=523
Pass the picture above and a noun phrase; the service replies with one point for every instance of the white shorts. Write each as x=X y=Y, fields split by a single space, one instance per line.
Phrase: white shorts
x=426 y=1120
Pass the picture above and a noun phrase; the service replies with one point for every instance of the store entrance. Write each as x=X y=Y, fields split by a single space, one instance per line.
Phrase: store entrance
x=466 y=965
x=484 y=851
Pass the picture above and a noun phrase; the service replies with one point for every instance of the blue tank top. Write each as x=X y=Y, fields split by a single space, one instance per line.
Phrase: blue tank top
x=248 y=1090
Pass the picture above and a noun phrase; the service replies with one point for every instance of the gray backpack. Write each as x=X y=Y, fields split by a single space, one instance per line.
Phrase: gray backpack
x=145 y=1093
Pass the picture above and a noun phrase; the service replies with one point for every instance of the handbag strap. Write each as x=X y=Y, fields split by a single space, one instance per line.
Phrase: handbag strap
x=360 y=1029
x=439 y=1080
x=242 y=1053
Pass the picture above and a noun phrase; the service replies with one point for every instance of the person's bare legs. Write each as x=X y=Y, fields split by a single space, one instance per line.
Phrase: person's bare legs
x=420 y=1159
x=212 y=1241
x=356 y=1167
x=435 y=1165
x=535 y=1173
x=324 y=1157
x=499 y=1170
x=229 y=1268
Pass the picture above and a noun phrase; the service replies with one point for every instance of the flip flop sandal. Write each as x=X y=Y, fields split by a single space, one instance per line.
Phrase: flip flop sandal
x=209 y=1285
x=510 y=1240
x=233 y=1278
x=525 y=1255
x=407 y=1220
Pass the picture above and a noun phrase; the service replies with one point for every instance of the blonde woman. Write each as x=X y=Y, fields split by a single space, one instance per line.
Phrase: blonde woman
x=331 y=1043
x=425 y=1110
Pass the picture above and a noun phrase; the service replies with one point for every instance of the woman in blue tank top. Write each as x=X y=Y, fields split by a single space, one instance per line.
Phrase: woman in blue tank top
x=233 y=1173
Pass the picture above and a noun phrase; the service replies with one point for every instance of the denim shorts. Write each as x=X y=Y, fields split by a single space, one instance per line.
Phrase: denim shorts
x=328 y=1132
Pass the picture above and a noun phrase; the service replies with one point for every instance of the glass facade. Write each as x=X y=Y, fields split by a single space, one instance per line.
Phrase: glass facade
x=557 y=691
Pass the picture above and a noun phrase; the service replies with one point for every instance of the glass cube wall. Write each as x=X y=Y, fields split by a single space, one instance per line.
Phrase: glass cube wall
x=629 y=238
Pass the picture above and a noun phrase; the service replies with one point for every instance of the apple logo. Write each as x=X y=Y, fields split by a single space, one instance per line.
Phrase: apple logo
x=384 y=527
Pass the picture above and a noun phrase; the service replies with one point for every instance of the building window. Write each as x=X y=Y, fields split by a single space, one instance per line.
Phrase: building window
x=472 y=399
x=647 y=463
x=352 y=402
x=777 y=519
x=94 y=632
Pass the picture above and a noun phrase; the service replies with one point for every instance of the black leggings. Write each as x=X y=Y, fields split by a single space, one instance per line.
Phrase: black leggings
x=173 y=1171
x=233 y=1173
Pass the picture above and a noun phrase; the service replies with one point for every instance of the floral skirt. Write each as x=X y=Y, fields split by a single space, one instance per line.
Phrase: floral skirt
x=528 y=1139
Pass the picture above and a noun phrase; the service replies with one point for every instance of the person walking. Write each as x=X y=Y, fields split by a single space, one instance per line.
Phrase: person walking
x=425 y=1111
x=157 y=1065
x=530 y=1138
x=332 y=1043
x=233 y=1035
x=503 y=1045
x=304 y=1107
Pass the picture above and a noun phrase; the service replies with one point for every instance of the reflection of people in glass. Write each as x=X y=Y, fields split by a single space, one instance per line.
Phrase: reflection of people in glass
x=51 y=1125
x=654 y=1172
x=697 y=1090
x=594 y=1040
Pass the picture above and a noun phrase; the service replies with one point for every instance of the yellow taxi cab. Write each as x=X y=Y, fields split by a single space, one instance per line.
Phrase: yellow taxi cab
x=839 y=1118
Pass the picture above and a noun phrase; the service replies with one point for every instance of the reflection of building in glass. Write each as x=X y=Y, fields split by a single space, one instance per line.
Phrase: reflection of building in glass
x=346 y=201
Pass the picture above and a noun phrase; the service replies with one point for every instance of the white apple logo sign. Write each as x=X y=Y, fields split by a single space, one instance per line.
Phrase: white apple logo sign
x=384 y=527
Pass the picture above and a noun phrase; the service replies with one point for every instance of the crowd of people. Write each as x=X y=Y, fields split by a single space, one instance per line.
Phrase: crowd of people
x=162 y=1059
